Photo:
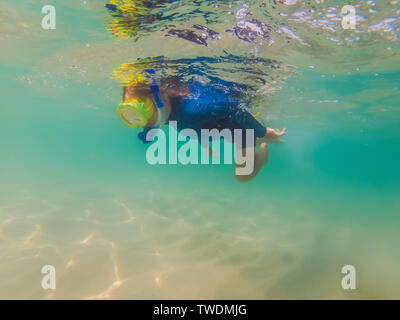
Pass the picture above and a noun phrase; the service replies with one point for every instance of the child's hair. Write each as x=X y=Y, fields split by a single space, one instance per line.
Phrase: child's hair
x=136 y=92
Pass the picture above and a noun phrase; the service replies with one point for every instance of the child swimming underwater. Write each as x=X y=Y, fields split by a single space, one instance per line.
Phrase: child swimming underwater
x=195 y=105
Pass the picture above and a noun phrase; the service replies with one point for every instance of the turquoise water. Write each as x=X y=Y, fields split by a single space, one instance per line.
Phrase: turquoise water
x=77 y=193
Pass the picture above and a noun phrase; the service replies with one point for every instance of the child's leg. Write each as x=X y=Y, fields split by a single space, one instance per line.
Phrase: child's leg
x=260 y=160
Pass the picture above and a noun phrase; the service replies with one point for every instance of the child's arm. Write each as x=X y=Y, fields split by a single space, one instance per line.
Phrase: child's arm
x=249 y=122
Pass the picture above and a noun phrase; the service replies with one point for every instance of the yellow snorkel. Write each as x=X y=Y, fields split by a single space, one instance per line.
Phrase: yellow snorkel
x=135 y=113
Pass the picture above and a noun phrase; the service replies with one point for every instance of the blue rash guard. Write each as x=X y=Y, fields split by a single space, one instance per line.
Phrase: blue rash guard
x=210 y=106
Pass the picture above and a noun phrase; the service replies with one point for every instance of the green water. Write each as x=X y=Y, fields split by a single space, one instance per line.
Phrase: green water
x=77 y=193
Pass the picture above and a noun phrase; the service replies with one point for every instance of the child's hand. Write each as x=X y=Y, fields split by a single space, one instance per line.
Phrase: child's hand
x=274 y=133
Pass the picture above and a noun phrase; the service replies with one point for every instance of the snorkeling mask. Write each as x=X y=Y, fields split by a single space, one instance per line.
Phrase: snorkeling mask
x=136 y=113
